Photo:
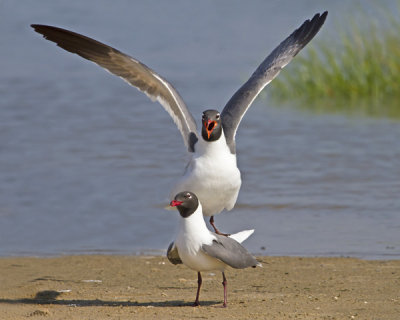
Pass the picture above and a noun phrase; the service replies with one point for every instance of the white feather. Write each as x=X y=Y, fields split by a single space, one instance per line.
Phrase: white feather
x=242 y=235
x=192 y=234
x=212 y=174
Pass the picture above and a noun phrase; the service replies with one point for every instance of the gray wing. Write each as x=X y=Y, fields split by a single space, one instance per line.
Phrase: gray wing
x=243 y=98
x=231 y=252
x=173 y=255
x=132 y=71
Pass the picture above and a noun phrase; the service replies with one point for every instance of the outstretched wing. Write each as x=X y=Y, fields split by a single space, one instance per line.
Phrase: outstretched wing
x=230 y=252
x=132 y=71
x=237 y=106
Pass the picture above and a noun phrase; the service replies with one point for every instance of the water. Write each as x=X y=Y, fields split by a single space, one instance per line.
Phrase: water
x=86 y=162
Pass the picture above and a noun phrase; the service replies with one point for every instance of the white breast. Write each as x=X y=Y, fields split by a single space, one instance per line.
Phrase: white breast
x=212 y=174
x=192 y=234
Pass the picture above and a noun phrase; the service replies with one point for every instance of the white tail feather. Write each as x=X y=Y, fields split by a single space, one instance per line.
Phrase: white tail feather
x=242 y=235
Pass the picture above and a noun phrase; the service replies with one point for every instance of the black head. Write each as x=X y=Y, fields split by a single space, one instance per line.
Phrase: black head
x=186 y=202
x=211 y=125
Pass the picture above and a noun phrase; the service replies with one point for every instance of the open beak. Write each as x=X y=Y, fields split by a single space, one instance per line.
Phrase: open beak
x=210 y=126
x=175 y=203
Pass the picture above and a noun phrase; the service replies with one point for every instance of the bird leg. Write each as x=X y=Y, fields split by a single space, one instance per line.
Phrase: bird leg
x=199 y=281
x=215 y=228
x=224 y=282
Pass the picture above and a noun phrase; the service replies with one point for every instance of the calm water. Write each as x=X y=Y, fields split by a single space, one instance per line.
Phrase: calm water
x=86 y=162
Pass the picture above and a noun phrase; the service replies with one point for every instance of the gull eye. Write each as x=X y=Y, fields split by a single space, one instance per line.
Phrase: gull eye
x=188 y=195
x=217 y=116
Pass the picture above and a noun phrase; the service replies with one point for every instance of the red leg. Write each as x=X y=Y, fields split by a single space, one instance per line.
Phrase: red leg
x=199 y=281
x=224 y=282
x=215 y=228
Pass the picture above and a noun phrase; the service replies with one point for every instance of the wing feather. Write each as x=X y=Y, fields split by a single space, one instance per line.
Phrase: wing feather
x=130 y=70
x=230 y=252
x=237 y=106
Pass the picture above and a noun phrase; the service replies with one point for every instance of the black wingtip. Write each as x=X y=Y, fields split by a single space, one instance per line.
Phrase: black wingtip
x=37 y=27
x=323 y=16
x=319 y=19
x=41 y=28
x=310 y=28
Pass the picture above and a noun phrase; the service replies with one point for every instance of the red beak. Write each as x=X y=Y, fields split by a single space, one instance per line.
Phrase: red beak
x=175 y=203
x=210 y=126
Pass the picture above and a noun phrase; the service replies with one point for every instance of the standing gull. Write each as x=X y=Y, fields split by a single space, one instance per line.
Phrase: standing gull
x=202 y=250
x=212 y=171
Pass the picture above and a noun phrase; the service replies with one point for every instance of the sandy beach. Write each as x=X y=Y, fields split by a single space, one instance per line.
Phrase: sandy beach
x=145 y=287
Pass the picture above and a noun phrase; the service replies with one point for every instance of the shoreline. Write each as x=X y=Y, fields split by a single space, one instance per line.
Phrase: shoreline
x=162 y=253
x=149 y=287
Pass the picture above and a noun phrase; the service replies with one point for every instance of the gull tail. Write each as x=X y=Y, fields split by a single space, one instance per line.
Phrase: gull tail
x=242 y=235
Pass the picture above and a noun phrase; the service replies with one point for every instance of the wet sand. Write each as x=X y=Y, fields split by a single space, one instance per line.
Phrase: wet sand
x=128 y=287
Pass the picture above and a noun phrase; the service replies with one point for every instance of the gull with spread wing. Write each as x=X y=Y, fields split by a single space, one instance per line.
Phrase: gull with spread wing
x=212 y=171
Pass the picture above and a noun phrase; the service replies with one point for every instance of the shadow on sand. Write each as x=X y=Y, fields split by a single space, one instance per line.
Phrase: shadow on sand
x=49 y=297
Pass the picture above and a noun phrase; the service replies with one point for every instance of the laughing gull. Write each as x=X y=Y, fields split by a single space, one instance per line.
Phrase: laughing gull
x=212 y=172
x=202 y=250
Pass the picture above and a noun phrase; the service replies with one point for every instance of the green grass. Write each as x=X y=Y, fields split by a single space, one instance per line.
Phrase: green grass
x=356 y=70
